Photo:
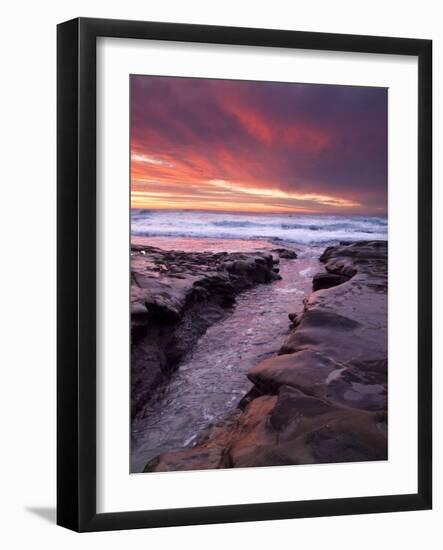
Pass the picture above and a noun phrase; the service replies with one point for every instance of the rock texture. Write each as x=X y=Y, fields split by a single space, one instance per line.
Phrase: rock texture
x=175 y=297
x=285 y=253
x=323 y=399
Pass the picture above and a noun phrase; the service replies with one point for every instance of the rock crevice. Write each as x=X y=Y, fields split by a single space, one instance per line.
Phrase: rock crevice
x=323 y=399
x=175 y=297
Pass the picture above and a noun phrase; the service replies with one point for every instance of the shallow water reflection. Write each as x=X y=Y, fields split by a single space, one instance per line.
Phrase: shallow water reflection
x=212 y=379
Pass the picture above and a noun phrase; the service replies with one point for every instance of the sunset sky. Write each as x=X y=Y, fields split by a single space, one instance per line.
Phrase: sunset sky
x=245 y=146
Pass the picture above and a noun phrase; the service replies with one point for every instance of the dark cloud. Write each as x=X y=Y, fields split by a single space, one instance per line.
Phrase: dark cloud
x=296 y=139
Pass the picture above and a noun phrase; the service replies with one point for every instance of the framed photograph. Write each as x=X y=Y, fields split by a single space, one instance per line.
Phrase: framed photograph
x=244 y=274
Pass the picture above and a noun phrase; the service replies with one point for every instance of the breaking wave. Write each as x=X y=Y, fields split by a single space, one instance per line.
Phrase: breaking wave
x=291 y=228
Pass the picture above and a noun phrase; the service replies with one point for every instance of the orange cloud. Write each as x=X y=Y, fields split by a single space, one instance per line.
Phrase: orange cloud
x=173 y=183
x=252 y=146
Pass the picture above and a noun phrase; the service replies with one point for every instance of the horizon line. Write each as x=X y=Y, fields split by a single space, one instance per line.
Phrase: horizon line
x=258 y=213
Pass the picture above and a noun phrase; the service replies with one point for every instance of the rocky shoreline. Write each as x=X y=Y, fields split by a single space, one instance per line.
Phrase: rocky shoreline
x=323 y=398
x=175 y=297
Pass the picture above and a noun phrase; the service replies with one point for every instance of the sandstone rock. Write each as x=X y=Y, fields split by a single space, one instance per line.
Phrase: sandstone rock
x=294 y=428
x=324 y=398
x=361 y=384
x=327 y=280
x=201 y=458
x=307 y=370
x=293 y=405
x=285 y=253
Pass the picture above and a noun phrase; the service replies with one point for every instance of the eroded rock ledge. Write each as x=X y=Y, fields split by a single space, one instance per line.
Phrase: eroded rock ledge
x=323 y=399
x=175 y=297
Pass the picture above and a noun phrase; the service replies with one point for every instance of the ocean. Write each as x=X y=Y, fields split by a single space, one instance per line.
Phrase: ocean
x=278 y=228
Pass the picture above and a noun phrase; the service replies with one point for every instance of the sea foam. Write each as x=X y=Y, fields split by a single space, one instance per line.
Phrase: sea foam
x=291 y=228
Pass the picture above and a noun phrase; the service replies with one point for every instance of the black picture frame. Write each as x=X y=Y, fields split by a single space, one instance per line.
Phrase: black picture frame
x=76 y=281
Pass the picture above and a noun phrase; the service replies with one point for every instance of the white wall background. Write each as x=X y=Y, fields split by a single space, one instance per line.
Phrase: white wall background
x=27 y=287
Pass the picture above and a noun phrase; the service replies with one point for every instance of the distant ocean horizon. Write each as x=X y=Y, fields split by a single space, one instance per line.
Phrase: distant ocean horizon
x=304 y=229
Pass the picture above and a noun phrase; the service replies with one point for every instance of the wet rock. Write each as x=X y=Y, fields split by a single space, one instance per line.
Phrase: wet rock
x=361 y=384
x=252 y=394
x=189 y=459
x=327 y=280
x=175 y=297
x=340 y=443
x=210 y=451
x=295 y=428
x=307 y=370
x=293 y=405
x=285 y=253
x=252 y=432
x=359 y=251
x=349 y=321
x=329 y=333
x=294 y=318
x=323 y=399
